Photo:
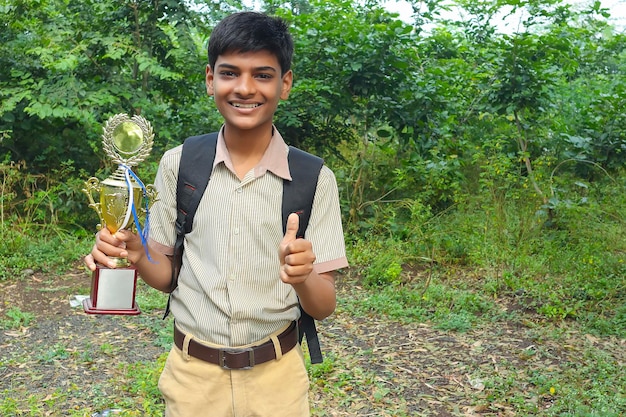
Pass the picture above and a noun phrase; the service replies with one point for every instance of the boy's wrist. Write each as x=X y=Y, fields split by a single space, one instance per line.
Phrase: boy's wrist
x=302 y=285
x=138 y=259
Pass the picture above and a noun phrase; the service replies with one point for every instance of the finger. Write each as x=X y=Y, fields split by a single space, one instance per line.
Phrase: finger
x=296 y=270
x=98 y=258
x=123 y=235
x=130 y=241
x=108 y=245
x=291 y=230
x=90 y=263
x=294 y=274
x=104 y=238
x=293 y=223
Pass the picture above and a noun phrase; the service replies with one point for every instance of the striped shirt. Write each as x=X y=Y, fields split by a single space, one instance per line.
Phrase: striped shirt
x=229 y=291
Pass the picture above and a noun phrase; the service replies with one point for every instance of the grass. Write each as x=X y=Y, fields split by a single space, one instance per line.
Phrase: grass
x=468 y=316
x=16 y=318
x=587 y=385
x=562 y=370
x=559 y=368
x=46 y=249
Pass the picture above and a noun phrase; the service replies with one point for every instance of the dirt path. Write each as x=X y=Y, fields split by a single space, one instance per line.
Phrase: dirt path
x=63 y=356
x=71 y=361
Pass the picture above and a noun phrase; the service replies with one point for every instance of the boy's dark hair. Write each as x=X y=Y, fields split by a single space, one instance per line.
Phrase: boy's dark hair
x=252 y=32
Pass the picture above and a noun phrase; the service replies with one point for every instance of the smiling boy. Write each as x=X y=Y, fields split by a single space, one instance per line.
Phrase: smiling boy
x=241 y=277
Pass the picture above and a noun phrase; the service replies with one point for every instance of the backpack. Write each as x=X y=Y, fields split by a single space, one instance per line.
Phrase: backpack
x=194 y=174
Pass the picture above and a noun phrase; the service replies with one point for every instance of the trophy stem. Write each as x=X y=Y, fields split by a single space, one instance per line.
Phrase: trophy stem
x=120 y=262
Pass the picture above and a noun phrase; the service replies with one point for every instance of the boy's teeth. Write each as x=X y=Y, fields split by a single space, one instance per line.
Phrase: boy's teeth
x=245 y=106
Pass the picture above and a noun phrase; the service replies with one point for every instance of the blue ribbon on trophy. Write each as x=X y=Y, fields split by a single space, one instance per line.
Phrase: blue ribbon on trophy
x=142 y=232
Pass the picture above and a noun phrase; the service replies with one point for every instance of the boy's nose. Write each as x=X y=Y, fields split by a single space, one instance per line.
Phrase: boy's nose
x=245 y=86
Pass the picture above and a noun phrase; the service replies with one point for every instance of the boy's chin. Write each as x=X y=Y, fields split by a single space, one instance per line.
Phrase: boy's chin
x=247 y=125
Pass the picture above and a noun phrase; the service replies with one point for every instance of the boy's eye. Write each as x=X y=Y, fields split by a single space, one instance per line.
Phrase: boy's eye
x=264 y=76
x=227 y=73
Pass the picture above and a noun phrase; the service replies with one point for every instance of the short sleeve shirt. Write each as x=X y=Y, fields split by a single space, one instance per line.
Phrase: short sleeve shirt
x=229 y=292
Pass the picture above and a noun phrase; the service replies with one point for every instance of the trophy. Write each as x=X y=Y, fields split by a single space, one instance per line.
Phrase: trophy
x=122 y=199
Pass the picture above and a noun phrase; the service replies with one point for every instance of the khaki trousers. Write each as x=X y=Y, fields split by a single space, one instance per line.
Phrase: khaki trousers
x=194 y=388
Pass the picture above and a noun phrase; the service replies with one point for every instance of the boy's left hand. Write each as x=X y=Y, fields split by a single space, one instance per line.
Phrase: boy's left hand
x=296 y=255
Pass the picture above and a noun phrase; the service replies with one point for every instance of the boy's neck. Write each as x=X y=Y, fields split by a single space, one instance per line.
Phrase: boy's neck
x=248 y=141
x=246 y=147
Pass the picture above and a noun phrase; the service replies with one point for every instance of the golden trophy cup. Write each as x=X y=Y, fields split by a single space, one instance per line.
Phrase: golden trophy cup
x=122 y=200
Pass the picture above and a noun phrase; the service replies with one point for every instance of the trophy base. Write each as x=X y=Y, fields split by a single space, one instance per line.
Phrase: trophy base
x=90 y=309
x=112 y=292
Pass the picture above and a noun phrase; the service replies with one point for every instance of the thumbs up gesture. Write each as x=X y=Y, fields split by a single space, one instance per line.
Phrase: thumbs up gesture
x=296 y=255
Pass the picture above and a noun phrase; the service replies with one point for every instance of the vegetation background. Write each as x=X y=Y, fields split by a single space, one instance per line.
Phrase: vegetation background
x=476 y=167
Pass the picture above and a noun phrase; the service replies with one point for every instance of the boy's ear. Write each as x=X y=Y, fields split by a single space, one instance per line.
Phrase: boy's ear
x=209 y=80
x=287 y=83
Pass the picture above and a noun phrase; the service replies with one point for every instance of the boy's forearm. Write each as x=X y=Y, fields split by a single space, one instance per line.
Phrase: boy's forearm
x=317 y=295
x=156 y=273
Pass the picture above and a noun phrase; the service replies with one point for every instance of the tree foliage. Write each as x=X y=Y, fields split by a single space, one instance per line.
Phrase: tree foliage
x=406 y=107
x=66 y=66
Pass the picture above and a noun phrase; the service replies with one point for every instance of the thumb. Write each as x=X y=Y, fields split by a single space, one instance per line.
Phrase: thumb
x=127 y=239
x=293 y=223
x=123 y=235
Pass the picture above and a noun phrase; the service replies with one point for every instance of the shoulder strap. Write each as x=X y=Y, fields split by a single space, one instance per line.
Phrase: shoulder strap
x=198 y=152
x=298 y=195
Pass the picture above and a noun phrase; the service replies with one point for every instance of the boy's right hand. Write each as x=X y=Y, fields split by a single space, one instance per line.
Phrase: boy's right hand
x=118 y=245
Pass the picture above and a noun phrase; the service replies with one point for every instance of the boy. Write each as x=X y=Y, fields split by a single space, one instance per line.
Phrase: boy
x=241 y=278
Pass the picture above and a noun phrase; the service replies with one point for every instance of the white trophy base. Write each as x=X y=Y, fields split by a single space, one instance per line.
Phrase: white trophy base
x=113 y=292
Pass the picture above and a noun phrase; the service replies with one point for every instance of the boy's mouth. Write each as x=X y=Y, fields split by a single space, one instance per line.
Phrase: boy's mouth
x=245 y=105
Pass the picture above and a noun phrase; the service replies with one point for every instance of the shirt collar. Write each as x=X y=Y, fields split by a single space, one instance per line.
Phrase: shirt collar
x=274 y=159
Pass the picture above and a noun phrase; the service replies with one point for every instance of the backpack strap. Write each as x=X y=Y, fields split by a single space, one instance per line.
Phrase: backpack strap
x=198 y=152
x=298 y=195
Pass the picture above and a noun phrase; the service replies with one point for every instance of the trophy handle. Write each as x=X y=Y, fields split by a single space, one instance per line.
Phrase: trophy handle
x=151 y=195
x=91 y=185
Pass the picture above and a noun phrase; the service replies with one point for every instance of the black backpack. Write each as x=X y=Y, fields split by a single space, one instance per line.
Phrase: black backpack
x=194 y=173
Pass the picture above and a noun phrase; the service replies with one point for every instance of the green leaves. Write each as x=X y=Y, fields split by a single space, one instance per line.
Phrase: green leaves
x=71 y=64
x=407 y=112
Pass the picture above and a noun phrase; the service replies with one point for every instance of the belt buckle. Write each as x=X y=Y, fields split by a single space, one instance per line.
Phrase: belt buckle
x=222 y=357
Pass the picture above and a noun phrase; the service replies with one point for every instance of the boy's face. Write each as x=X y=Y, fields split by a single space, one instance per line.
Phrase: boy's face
x=247 y=88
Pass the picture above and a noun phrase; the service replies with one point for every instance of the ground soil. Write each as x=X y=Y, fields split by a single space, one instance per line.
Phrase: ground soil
x=373 y=367
x=63 y=349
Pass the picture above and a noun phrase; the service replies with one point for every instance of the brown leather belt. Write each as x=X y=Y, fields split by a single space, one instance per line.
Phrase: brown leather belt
x=241 y=358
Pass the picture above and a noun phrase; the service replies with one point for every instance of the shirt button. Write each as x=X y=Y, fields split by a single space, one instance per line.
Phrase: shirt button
x=239 y=190
x=236 y=231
